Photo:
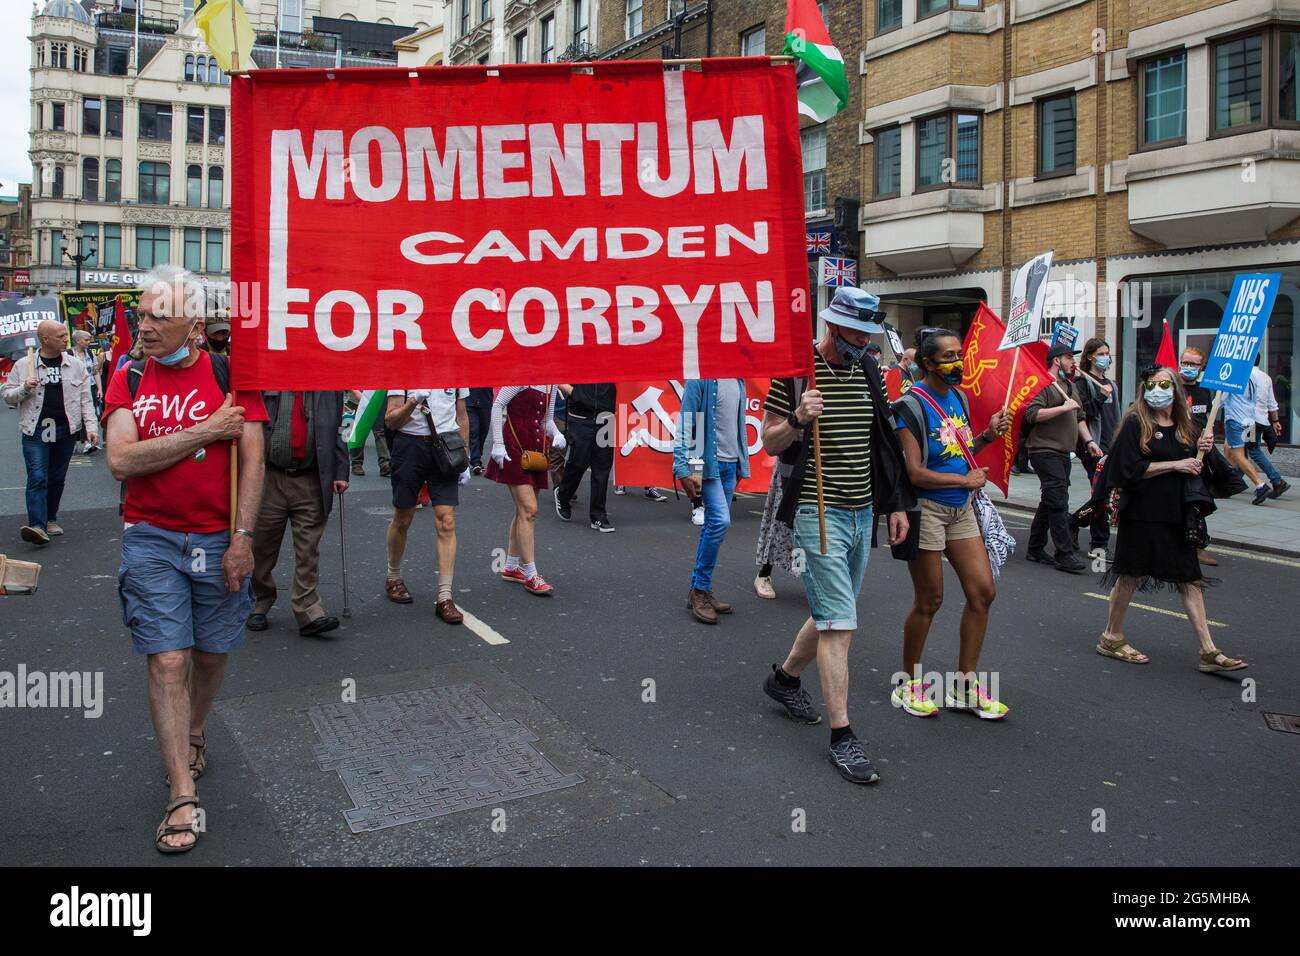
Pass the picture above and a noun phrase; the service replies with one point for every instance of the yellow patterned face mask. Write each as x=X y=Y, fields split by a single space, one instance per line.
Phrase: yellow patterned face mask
x=951 y=372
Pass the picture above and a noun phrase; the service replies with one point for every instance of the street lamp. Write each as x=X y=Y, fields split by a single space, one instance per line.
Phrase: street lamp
x=79 y=258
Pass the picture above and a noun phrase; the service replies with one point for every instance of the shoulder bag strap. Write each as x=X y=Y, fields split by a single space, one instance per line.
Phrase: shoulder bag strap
x=926 y=397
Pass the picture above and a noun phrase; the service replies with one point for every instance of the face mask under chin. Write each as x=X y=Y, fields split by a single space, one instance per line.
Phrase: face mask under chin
x=850 y=353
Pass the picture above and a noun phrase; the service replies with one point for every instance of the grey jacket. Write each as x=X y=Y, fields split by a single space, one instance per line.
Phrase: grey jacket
x=331 y=454
x=78 y=403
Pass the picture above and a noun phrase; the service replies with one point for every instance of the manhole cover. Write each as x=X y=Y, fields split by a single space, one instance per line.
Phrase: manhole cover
x=426 y=753
x=1287 y=723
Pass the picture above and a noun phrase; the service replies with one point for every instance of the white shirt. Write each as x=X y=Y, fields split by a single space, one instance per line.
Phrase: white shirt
x=441 y=406
x=1264 y=400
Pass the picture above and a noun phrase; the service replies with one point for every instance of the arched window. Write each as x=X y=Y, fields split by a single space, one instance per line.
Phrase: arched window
x=58 y=183
x=214 y=72
x=59 y=56
x=189 y=67
x=113 y=180
x=193 y=185
x=215 y=178
x=155 y=185
x=90 y=179
x=79 y=59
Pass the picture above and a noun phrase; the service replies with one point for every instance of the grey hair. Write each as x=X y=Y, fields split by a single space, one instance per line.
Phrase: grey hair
x=81 y=335
x=166 y=279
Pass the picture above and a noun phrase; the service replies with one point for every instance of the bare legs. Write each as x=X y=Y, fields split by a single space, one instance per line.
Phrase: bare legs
x=520 y=542
x=831 y=650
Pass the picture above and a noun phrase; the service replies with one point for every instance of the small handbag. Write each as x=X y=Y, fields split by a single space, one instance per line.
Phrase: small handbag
x=450 y=456
x=532 y=460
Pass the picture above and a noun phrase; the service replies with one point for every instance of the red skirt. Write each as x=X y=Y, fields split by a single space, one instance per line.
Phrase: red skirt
x=524 y=417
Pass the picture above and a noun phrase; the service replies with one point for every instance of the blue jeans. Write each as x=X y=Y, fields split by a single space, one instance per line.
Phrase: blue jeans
x=717 y=494
x=832 y=581
x=1261 y=459
x=47 y=468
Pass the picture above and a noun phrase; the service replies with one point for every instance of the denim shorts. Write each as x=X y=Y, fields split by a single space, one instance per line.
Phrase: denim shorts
x=1234 y=433
x=174 y=594
x=832 y=580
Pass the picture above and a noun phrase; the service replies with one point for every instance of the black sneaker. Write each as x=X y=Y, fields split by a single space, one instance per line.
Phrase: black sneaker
x=652 y=494
x=563 y=510
x=1070 y=564
x=798 y=705
x=852 y=762
x=1042 y=557
x=1279 y=488
x=603 y=526
x=1262 y=494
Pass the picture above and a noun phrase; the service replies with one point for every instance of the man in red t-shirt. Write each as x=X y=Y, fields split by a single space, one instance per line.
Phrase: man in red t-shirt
x=183 y=581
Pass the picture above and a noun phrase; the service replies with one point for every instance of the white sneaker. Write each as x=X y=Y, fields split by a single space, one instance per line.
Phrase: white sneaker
x=697 y=515
x=763 y=588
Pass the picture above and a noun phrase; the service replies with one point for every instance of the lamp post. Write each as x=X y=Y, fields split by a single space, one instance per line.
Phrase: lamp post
x=79 y=258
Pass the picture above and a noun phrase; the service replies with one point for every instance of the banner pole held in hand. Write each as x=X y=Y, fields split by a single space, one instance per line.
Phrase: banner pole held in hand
x=817 y=462
x=1011 y=382
x=234 y=484
x=1209 y=422
x=343 y=549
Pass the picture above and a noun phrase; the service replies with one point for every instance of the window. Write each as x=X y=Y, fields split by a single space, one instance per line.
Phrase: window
x=113 y=118
x=59 y=56
x=1056 y=135
x=291 y=16
x=888 y=161
x=113 y=180
x=56 y=116
x=464 y=17
x=938 y=164
x=521 y=47
x=581 y=21
x=90 y=179
x=56 y=188
x=753 y=42
x=79 y=59
x=118 y=59
x=194 y=124
x=929 y=8
x=89 y=242
x=189 y=67
x=814 y=168
x=215 y=76
x=484 y=11
x=40 y=55
x=1239 y=82
x=214 y=251
x=90 y=117
x=110 y=250
x=156 y=121
x=217 y=125
x=193 y=249
x=1288 y=61
x=215 y=178
x=633 y=23
x=1162 y=99
x=187 y=8
x=154 y=183
x=889 y=15
x=152 y=246
x=56 y=247
x=193 y=185
x=548 y=39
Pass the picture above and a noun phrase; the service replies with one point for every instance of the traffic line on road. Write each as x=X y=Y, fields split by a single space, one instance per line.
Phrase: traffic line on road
x=1255 y=556
x=488 y=635
x=1158 y=610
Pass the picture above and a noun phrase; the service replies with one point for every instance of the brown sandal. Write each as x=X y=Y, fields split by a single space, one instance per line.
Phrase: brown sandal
x=168 y=829
x=1214 y=662
x=1121 y=650
x=200 y=763
x=396 y=590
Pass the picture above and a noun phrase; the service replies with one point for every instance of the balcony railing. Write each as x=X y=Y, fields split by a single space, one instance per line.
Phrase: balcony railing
x=579 y=51
x=324 y=42
x=126 y=21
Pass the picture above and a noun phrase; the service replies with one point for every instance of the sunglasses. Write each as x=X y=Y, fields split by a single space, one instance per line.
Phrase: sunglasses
x=1163 y=383
x=870 y=315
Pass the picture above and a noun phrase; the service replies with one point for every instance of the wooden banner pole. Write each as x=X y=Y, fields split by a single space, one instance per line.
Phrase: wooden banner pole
x=234 y=485
x=1209 y=422
x=817 y=463
x=1011 y=381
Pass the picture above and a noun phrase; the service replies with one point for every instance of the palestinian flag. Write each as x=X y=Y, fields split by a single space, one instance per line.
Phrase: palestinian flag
x=819 y=68
x=370 y=410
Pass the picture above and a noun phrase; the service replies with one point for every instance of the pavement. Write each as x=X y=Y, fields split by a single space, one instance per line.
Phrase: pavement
x=666 y=750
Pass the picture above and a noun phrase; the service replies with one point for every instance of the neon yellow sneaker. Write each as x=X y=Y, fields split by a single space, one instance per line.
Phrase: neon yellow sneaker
x=914 y=697
x=977 y=702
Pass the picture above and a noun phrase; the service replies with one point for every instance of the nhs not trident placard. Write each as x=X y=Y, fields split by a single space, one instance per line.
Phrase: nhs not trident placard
x=1244 y=319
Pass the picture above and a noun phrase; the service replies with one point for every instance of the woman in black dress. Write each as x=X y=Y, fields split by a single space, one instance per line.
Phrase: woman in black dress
x=1151 y=458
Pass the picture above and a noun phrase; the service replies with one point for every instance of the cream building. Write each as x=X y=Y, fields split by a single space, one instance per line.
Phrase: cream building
x=521 y=31
x=130 y=132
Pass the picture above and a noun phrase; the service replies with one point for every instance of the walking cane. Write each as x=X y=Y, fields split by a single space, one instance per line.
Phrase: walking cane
x=343 y=549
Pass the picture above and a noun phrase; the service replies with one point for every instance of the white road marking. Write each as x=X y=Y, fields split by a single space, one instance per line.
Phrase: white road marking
x=1158 y=610
x=1255 y=556
x=488 y=635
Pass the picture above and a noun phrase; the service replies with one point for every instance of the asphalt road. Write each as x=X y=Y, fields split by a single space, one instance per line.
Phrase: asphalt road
x=1179 y=767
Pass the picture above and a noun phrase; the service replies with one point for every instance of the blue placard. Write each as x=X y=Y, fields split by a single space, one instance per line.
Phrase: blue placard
x=1244 y=320
x=1063 y=334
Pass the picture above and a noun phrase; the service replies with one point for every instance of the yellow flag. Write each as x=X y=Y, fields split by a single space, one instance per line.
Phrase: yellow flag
x=227 y=32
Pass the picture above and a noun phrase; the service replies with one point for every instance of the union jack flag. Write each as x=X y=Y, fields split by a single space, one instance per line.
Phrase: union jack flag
x=819 y=243
x=837 y=271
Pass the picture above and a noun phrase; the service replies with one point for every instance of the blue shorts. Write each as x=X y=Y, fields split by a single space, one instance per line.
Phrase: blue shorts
x=832 y=580
x=174 y=595
x=1234 y=433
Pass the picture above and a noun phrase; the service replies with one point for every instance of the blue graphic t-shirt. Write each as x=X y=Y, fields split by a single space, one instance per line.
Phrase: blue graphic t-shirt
x=945 y=454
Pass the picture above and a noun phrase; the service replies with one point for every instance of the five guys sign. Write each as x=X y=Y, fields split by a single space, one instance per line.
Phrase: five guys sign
x=471 y=226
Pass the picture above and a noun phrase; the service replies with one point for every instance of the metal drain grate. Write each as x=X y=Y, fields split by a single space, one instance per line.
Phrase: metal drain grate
x=426 y=753
x=1286 y=723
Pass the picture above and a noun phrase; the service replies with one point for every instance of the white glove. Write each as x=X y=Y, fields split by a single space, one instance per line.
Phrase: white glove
x=419 y=395
x=499 y=453
x=464 y=477
x=558 y=441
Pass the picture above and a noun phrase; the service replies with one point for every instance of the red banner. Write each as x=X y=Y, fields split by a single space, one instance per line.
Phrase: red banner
x=987 y=376
x=473 y=226
x=647 y=429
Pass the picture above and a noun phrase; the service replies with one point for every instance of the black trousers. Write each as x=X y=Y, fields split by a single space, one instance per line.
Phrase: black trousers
x=480 y=424
x=1099 y=524
x=585 y=453
x=1053 y=514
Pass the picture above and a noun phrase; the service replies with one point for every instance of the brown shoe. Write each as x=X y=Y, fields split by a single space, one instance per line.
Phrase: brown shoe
x=1206 y=558
x=397 y=593
x=722 y=607
x=359 y=470
x=448 y=612
x=698 y=603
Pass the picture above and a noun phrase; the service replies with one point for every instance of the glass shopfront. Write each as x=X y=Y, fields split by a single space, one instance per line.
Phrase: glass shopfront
x=1193 y=304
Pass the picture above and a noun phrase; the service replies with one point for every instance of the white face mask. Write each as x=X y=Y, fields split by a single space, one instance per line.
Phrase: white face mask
x=1159 y=397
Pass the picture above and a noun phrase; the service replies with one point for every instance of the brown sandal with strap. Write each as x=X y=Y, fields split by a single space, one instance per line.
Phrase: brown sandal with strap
x=396 y=590
x=200 y=763
x=1121 y=650
x=168 y=829
x=1214 y=662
